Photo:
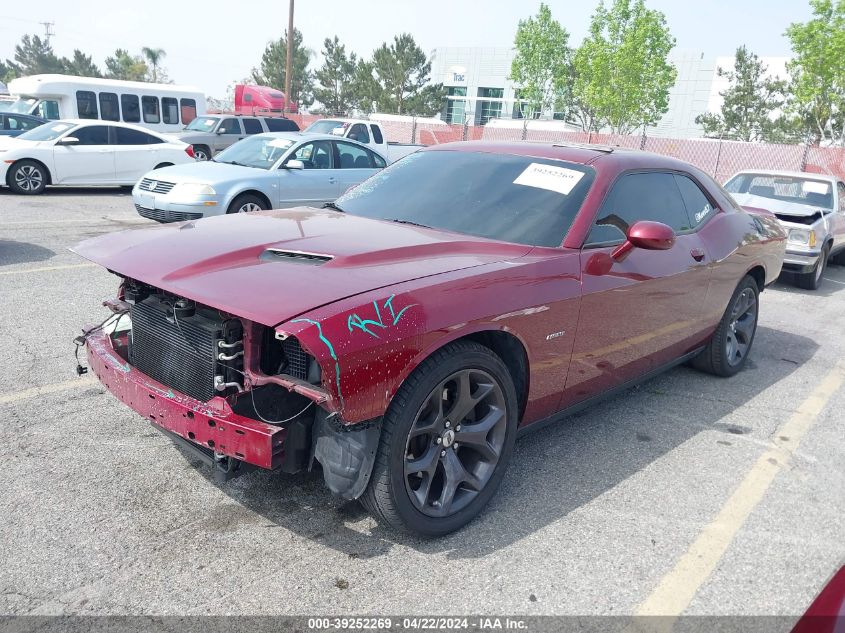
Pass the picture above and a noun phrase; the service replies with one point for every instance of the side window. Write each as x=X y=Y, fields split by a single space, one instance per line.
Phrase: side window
x=316 y=155
x=281 y=125
x=840 y=187
x=131 y=108
x=377 y=137
x=92 y=135
x=359 y=133
x=252 y=126
x=170 y=110
x=189 y=110
x=86 y=104
x=26 y=124
x=230 y=126
x=378 y=161
x=48 y=110
x=698 y=206
x=649 y=196
x=127 y=136
x=353 y=157
x=151 y=110
x=109 y=110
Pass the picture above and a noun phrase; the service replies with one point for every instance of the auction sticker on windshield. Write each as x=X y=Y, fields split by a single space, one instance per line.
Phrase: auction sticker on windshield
x=549 y=177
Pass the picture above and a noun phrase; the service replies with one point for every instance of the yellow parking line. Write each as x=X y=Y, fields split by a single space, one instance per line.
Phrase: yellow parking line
x=676 y=590
x=42 y=269
x=34 y=392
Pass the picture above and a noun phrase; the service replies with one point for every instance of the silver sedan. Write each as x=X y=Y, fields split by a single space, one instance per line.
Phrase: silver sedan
x=265 y=171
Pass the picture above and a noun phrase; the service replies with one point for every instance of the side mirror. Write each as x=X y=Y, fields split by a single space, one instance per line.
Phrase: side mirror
x=68 y=140
x=294 y=164
x=648 y=235
x=220 y=130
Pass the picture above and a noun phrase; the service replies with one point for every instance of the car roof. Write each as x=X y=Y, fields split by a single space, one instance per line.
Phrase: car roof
x=128 y=126
x=788 y=174
x=308 y=136
x=582 y=153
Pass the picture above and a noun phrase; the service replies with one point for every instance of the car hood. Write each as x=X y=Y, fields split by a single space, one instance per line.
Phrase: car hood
x=11 y=142
x=251 y=265
x=777 y=206
x=206 y=171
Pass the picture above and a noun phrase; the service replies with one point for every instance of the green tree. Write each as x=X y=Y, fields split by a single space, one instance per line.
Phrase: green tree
x=122 y=65
x=7 y=71
x=81 y=65
x=273 y=70
x=400 y=72
x=749 y=101
x=153 y=57
x=622 y=72
x=817 y=72
x=34 y=56
x=335 y=80
x=541 y=65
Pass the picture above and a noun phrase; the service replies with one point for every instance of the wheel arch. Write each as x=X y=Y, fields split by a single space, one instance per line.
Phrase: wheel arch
x=503 y=342
x=33 y=160
x=250 y=192
x=758 y=273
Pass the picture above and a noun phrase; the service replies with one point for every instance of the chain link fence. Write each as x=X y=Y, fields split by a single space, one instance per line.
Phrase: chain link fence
x=717 y=157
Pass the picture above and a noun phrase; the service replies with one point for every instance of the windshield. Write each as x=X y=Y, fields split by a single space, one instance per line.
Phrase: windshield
x=791 y=189
x=202 y=123
x=323 y=127
x=46 y=132
x=255 y=151
x=518 y=199
x=22 y=105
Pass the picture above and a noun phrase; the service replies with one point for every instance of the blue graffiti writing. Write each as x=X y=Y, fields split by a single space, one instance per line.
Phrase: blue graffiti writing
x=355 y=321
x=330 y=347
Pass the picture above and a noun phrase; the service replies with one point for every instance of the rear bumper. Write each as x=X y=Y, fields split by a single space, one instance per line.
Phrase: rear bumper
x=210 y=425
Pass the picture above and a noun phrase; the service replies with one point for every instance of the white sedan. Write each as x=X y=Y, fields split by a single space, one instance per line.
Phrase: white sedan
x=85 y=152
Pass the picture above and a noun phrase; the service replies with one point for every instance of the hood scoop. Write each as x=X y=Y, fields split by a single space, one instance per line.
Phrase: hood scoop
x=299 y=257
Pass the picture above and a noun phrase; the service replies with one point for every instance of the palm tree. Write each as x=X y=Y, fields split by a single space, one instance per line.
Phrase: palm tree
x=154 y=56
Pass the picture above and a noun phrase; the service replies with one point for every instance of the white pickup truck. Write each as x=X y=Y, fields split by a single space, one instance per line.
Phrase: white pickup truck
x=367 y=132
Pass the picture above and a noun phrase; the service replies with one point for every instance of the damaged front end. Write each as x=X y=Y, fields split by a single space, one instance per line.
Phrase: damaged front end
x=232 y=391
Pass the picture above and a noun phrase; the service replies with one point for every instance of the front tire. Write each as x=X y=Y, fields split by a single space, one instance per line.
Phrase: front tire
x=728 y=349
x=247 y=203
x=813 y=279
x=446 y=441
x=28 y=177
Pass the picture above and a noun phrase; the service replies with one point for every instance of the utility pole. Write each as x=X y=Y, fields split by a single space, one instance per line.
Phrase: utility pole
x=289 y=60
x=48 y=30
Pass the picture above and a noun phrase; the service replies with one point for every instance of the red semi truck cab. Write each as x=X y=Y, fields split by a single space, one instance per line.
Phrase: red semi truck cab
x=250 y=99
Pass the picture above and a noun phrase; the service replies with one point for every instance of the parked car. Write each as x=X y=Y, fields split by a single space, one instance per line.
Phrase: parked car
x=367 y=132
x=212 y=134
x=81 y=152
x=283 y=169
x=16 y=124
x=405 y=336
x=811 y=207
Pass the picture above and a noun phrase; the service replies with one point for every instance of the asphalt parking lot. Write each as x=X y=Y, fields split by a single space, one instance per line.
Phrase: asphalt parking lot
x=689 y=494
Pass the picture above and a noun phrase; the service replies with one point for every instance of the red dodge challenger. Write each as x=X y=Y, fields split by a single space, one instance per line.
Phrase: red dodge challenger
x=405 y=335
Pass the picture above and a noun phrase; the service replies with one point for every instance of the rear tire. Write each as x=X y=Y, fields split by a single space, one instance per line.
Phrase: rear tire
x=445 y=443
x=247 y=203
x=202 y=152
x=28 y=177
x=727 y=351
x=813 y=279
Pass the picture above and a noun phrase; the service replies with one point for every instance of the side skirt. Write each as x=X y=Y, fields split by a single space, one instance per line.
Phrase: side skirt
x=584 y=404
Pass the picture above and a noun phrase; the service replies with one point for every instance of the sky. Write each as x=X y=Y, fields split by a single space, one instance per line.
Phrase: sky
x=212 y=44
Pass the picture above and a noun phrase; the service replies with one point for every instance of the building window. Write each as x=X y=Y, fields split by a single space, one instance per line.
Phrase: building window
x=456 y=108
x=489 y=109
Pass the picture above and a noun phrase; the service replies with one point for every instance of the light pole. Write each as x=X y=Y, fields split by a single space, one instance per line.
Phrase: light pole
x=289 y=60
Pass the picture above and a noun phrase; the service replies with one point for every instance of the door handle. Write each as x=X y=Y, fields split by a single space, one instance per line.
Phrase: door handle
x=697 y=254
x=332 y=180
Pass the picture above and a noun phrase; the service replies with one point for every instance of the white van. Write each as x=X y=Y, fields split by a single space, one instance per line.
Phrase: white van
x=160 y=107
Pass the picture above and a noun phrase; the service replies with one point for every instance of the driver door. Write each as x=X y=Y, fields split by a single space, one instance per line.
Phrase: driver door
x=639 y=313
x=316 y=184
x=228 y=133
x=90 y=162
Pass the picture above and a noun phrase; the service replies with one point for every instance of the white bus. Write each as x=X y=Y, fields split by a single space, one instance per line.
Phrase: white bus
x=160 y=107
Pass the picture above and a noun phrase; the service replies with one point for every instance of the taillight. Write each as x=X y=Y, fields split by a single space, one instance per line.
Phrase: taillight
x=189 y=150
